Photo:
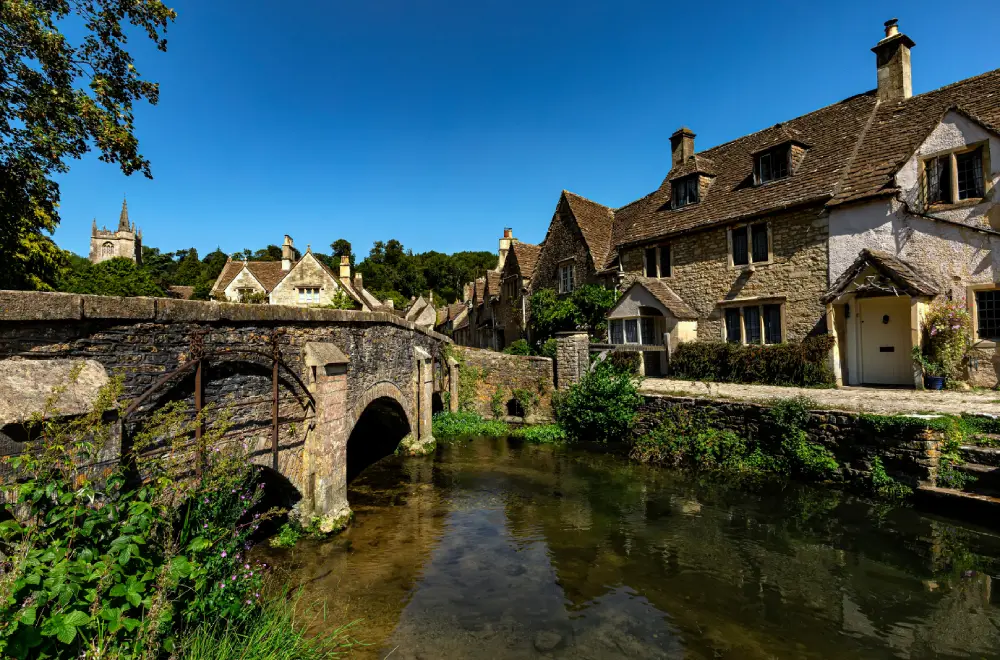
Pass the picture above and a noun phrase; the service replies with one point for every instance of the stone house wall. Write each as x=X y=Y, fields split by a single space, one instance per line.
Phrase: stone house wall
x=243 y=280
x=702 y=277
x=307 y=272
x=564 y=242
x=506 y=373
x=507 y=310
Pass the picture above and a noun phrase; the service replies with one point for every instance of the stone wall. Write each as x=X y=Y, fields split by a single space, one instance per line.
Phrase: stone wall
x=307 y=272
x=563 y=243
x=910 y=458
x=506 y=373
x=702 y=277
x=509 y=307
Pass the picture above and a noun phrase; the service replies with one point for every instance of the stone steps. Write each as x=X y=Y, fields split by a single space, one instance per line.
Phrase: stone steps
x=980 y=455
x=975 y=507
x=987 y=478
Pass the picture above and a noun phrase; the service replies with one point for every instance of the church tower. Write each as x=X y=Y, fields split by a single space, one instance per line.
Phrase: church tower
x=126 y=241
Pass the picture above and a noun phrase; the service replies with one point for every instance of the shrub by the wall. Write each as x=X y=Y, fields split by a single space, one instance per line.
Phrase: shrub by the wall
x=797 y=364
x=601 y=407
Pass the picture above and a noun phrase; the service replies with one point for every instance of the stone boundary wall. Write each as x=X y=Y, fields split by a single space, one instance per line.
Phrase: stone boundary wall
x=508 y=372
x=47 y=306
x=911 y=459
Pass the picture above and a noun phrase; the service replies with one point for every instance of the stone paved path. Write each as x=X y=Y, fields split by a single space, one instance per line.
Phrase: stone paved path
x=854 y=399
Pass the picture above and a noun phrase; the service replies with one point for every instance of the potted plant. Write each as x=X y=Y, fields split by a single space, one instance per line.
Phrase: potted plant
x=947 y=339
x=934 y=373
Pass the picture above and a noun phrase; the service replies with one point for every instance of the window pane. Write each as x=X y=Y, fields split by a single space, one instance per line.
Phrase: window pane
x=751 y=324
x=664 y=261
x=772 y=324
x=938 y=171
x=650 y=262
x=631 y=331
x=740 y=252
x=765 y=168
x=969 y=167
x=692 y=184
x=617 y=332
x=758 y=235
x=570 y=276
x=733 y=334
x=648 y=332
x=988 y=312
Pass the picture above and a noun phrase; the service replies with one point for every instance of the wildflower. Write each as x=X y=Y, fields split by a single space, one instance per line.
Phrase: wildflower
x=222 y=554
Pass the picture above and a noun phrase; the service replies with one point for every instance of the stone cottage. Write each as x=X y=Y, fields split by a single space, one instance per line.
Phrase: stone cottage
x=512 y=310
x=847 y=220
x=576 y=245
x=304 y=282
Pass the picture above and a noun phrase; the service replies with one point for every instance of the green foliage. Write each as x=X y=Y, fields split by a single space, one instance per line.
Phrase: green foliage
x=63 y=94
x=586 y=308
x=788 y=419
x=948 y=474
x=883 y=485
x=276 y=632
x=497 y=403
x=803 y=364
x=448 y=425
x=626 y=362
x=340 y=300
x=947 y=340
x=105 y=563
x=468 y=381
x=681 y=441
x=341 y=248
x=519 y=347
x=114 y=277
x=542 y=434
x=251 y=298
x=397 y=273
x=548 y=348
x=287 y=536
x=526 y=399
x=601 y=407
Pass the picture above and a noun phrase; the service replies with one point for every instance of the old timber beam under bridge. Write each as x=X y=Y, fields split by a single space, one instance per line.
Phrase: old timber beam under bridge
x=314 y=394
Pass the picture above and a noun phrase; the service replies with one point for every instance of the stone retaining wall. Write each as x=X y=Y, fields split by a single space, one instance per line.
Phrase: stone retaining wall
x=911 y=457
x=506 y=373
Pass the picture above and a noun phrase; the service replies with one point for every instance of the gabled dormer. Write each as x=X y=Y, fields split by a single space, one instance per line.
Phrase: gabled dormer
x=777 y=161
x=690 y=175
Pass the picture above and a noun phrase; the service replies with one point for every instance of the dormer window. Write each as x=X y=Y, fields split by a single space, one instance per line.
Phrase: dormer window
x=685 y=191
x=954 y=177
x=773 y=164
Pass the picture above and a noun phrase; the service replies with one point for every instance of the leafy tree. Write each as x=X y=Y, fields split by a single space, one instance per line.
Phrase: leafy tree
x=214 y=263
x=160 y=266
x=586 y=307
x=59 y=100
x=341 y=248
x=189 y=270
x=114 y=277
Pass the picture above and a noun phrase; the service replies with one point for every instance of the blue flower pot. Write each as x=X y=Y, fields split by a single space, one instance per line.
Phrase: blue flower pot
x=934 y=382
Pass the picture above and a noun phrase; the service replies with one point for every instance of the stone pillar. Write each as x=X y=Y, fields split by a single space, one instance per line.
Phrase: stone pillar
x=421 y=441
x=453 y=385
x=572 y=357
x=325 y=453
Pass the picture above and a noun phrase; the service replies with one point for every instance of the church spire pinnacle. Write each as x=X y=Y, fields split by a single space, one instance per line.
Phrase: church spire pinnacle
x=123 y=224
x=93 y=228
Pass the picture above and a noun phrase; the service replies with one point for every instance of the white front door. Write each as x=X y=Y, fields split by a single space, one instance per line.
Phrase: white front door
x=885 y=341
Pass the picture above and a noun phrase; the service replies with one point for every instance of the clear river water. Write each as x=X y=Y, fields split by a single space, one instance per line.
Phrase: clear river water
x=494 y=549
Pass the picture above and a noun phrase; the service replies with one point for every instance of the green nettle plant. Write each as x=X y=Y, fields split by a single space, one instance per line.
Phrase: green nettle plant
x=947 y=340
x=121 y=561
x=601 y=407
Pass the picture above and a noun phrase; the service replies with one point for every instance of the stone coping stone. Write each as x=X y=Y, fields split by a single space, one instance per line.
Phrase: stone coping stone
x=39 y=306
x=27 y=386
x=498 y=354
x=168 y=309
x=113 y=307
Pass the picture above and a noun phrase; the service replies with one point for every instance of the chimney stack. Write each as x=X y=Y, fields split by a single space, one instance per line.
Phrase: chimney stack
x=505 y=244
x=892 y=57
x=681 y=146
x=286 y=254
x=345 y=268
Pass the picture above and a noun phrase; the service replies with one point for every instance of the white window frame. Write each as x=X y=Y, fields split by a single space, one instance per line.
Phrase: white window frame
x=641 y=339
x=308 y=295
x=760 y=315
x=567 y=277
x=750 y=260
x=952 y=155
x=659 y=261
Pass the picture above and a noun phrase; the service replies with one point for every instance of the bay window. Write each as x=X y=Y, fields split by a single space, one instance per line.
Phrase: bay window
x=643 y=330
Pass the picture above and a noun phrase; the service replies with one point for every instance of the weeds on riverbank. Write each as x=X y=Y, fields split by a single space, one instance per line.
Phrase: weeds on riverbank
x=127 y=558
x=462 y=425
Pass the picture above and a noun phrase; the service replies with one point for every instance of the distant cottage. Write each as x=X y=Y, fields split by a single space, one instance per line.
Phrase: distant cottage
x=125 y=242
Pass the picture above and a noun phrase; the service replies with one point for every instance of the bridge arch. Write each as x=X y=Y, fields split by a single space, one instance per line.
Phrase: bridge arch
x=381 y=420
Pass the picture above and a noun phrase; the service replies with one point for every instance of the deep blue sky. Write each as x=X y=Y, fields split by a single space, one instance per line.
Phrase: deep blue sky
x=439 y=123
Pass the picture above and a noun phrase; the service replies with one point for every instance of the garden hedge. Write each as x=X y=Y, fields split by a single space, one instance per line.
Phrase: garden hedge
x=803 y=364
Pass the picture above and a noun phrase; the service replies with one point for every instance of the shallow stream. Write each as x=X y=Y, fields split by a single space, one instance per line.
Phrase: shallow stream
x=494 y=549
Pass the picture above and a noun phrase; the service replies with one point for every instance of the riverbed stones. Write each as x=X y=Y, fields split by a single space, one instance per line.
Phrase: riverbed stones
x=547 y=640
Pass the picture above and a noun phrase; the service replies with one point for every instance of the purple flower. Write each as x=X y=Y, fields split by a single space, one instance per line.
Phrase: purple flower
x=222 y=554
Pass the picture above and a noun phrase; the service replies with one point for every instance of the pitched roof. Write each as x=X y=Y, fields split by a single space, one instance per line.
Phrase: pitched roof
x=269 y=273
x=898 y=128
x=477 y=290
x=595 y=222
x=493 y=282
x=908 y=278
x=180 y=291
x=527 y=257
x=852 y=151
x=831 y=134
x=666 y=296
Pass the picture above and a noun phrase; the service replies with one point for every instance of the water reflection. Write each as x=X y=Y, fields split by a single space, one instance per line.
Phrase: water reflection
x=493 y=550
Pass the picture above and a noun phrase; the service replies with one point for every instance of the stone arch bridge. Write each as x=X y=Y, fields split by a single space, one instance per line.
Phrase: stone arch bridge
x=316 y=394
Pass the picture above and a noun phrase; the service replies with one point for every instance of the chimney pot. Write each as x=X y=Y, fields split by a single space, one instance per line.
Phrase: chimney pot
x=892 y=27
x=508 y=232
